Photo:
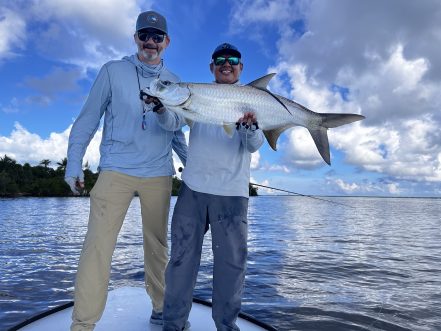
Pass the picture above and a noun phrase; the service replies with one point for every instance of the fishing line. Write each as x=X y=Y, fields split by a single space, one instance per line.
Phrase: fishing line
x=376 y=318
x=302 y=195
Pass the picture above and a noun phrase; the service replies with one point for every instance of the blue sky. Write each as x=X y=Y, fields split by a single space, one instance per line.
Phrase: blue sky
x=378 y=58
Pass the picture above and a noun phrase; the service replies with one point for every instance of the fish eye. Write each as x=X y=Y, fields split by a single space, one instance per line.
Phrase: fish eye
x=165 y=82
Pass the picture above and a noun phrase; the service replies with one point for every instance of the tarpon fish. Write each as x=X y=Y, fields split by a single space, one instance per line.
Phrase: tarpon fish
x=224 y=104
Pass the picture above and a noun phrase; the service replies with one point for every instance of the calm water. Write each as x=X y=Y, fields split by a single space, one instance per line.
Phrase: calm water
x=312 y=265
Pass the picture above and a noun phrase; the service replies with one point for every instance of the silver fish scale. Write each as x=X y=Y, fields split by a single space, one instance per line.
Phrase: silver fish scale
x=225 y=104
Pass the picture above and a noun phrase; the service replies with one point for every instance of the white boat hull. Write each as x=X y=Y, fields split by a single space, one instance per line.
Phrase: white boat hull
x=129 y=308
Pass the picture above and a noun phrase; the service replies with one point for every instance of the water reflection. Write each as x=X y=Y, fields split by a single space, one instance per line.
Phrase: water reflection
x=312 y=265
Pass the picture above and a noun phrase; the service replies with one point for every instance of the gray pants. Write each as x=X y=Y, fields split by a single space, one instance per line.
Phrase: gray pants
x=193 y=214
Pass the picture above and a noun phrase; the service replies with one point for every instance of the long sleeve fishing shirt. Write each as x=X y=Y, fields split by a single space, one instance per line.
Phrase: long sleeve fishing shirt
x=216 y=163
x=125 y=146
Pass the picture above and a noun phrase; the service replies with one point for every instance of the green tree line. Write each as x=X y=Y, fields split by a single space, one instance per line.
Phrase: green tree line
x=44 y=181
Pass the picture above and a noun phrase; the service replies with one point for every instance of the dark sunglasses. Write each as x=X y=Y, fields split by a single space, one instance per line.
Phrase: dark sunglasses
x=220 y=60
x=146 y=35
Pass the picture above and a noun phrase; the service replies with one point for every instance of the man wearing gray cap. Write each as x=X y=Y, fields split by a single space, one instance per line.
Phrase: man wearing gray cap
x=136 y=157
x=214 y=194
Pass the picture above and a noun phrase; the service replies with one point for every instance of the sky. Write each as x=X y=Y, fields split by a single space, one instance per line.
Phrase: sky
x=381 y=59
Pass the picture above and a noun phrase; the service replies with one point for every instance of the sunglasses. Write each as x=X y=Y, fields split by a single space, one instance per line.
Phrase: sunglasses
x=146 y=35
x=220 y=60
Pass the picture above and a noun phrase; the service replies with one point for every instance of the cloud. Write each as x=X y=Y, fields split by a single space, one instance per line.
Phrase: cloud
x=12 y=107
x=275 y=168
x=263 y=190
x=340 y=186
x=411 y=151
x=24 y=146
x=255 y=16
x=360 y=57
x=346 y=187
x=255 y=158
x=55 y=82
x=261 y=11
x=12 y=33
x=74 y=32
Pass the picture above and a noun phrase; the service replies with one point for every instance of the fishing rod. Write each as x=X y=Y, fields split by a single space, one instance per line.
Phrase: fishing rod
x=300 y=194
x=291 y=192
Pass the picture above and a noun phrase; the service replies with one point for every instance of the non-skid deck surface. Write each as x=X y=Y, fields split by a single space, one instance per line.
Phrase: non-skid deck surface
x=129 y=308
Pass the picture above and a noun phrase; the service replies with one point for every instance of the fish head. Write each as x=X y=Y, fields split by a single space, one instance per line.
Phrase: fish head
x=169 y=93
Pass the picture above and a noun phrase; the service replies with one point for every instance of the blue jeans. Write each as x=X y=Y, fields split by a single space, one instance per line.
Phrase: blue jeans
x=193 y=214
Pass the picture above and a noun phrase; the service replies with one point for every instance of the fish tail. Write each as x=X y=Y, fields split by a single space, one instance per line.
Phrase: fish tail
x=332 y=120
x=320 y=135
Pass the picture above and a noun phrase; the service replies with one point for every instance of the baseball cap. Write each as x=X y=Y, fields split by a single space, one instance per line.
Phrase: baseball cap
x=226 y=48
x=153 y=20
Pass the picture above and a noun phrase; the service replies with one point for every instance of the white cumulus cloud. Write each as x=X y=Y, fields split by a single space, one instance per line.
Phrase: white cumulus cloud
x=24 y=146
x=366 y=58
x=12 y=32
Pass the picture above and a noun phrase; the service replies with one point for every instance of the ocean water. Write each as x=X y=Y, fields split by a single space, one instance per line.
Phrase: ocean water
x=370 y=264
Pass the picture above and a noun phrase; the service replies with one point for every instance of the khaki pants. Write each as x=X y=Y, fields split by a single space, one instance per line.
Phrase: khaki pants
x=109 y=200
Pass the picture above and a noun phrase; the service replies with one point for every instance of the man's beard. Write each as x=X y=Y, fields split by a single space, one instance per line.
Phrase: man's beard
x=149 y=56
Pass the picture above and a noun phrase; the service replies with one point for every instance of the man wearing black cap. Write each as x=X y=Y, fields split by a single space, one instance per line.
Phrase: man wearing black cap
x=214 y=194
x=136 y=157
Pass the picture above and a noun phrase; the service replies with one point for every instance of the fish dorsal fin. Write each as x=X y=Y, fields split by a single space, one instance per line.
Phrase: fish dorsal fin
x=274 y=134
x=262 y=82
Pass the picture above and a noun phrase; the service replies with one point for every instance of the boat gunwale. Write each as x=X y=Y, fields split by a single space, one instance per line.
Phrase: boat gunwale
x=56 y=309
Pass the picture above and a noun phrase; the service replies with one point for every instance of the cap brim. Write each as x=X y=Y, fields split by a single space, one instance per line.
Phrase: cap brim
x=151 y=28
x=226 y=52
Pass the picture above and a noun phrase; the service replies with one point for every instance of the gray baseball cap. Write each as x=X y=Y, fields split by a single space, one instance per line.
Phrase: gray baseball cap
x=226 y=48
x=151 y=20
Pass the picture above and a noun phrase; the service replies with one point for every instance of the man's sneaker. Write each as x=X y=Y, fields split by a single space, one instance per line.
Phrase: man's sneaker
x=156 y=318
x=187 y=326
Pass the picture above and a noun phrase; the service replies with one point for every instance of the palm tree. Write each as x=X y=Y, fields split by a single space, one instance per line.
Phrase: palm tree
x=7 y=160
x=45 y=162
x=6 y=163
x=62 y=165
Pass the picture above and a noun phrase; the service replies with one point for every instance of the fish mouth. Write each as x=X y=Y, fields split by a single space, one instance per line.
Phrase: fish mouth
x=168 y=92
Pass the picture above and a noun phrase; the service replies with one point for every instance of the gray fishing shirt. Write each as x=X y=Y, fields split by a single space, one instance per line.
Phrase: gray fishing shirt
x=217 y=163
x=125 y=146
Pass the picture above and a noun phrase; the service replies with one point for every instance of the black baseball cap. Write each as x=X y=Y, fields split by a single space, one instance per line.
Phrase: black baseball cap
x=151 y=20
x=226 y=48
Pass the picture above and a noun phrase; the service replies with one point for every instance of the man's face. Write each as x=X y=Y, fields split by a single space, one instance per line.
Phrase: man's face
x=226 y=72
x=151 y=43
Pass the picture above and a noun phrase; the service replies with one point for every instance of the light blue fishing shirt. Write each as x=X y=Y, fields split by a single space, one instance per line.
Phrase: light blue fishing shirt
x=216 y=163
x=125 y=147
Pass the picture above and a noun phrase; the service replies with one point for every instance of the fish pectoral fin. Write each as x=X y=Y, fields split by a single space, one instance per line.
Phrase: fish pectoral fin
x=274 y=134
x=262 y=82
x=189 y=122
x=229 y=129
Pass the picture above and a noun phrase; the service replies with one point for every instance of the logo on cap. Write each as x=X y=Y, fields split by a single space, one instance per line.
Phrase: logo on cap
x=152 y=19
